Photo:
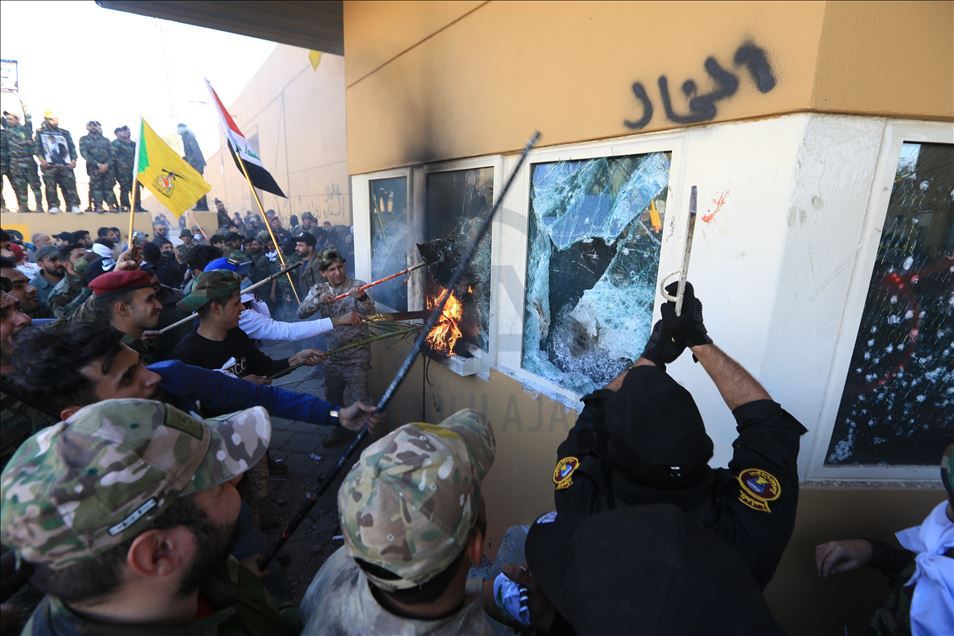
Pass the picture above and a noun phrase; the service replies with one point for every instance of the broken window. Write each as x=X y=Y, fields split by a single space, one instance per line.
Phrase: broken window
x=593 y=255
x=896 y=404
x=390 y=244
x=456 y=203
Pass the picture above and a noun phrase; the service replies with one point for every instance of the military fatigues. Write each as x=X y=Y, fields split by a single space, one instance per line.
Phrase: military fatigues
x=57 y=172
x=123 y=158
x=65 y=292
x=751 y=505
x=23 y=175
x=18 y=421
x=346 y=373
x=310 y=274
x=96 y=149
x=408 y=505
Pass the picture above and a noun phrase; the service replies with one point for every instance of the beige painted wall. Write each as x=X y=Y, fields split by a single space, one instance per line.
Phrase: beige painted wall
x=429 y=81
x=528 y=428
x=298 y=115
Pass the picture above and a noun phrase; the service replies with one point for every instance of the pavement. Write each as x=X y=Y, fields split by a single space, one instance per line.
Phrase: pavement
x=299 y=444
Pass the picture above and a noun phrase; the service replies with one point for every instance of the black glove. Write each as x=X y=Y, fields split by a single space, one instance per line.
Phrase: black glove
x=661 y=348
x=687 y=329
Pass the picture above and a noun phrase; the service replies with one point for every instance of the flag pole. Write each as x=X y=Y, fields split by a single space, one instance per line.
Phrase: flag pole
x=132 y=194
x=268 y=225
x=197 y=224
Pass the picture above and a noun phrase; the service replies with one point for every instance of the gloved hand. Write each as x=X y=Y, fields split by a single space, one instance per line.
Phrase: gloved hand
x=687 y=329
x=661 y=348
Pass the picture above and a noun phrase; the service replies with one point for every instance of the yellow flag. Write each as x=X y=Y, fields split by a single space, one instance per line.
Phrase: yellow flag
x=163 y=172
x=315 y=58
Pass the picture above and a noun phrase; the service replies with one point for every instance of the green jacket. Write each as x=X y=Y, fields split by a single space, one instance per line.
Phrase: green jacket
x=123 y=155
x=20 y=140
x=96 y=149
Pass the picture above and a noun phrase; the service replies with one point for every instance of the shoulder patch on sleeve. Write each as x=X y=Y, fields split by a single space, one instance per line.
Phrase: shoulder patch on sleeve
x=757 y=488
x=563 y=472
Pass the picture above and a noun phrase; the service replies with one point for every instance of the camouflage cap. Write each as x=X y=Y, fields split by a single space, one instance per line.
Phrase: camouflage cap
x=409 y=503
x=76 y=489
x=327 y=258
x=219 y=284
x=947 y=471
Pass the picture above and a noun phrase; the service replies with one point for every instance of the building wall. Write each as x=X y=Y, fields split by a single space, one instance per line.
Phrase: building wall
x=297 y=113
x=780 y=269
x=433 y=81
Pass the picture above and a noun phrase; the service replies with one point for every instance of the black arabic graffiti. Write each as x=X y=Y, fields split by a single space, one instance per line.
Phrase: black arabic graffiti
x=703 y=107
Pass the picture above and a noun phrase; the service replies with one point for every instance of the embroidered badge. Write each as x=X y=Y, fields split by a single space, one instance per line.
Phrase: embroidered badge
x=758 y=488
x=563 y=472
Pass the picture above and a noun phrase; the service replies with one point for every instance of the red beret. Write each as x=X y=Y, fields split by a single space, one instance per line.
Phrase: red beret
x=120 y=281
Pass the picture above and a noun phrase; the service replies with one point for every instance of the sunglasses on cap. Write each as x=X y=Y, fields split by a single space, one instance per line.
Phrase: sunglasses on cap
x=93 y=123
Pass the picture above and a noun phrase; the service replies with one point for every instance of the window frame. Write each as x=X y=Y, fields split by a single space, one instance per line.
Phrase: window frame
x=361 y=215
x=514 y=222
x=895 y=134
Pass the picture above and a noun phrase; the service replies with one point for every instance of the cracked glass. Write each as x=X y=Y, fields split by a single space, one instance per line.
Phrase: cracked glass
x=897 y=402
x=595 y=229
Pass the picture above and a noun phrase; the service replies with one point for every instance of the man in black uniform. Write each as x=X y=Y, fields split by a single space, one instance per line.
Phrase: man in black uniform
x=641 y=440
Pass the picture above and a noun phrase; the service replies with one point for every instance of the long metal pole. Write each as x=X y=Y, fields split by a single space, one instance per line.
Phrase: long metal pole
x=312 y=498
x=382 y=280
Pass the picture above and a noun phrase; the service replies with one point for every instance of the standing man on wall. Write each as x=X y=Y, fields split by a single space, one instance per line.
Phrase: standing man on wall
x=54 y=146
x=346 y=373
x=98 y=153
x=193 y=156
x=124 y=150
x=22 y=174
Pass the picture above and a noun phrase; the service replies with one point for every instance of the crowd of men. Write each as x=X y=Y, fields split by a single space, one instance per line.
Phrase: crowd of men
x=136 y=464
x=108 y=164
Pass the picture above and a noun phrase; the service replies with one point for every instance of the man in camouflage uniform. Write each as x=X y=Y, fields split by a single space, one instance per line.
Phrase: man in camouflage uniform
x=183 y=249
x=346 y=372
x=71 y=287
x=123 y=159
x=18 y=419
x=310 y=273
x=413 y=521
x=98 y=153
x=172 y=511
x=128 y=300
x=308 y=224
x=57 y=154
x=22 y=166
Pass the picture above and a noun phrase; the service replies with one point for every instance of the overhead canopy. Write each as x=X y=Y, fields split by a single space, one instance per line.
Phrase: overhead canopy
x=310 y=25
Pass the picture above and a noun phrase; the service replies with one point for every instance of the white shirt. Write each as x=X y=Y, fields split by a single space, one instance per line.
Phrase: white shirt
x=258 y=324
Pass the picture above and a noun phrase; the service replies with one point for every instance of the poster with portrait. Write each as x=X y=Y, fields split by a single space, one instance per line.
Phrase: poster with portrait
x=55 y=150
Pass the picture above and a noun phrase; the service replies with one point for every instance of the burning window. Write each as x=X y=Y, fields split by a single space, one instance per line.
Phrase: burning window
x=456 y=203
x=595 y=232
x=896 y=404
x=390 y=246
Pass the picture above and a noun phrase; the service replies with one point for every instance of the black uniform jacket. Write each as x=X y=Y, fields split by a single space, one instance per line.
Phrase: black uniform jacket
x=751 y=504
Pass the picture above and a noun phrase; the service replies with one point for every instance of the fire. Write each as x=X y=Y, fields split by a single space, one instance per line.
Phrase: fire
x=446 y=332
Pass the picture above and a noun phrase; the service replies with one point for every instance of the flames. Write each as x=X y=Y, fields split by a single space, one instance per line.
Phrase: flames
x=446 y=332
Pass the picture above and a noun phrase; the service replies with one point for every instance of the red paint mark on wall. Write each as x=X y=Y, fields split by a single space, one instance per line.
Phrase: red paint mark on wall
x=716 y=206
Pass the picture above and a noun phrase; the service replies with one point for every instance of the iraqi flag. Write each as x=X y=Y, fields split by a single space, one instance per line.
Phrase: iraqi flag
x=241 y=149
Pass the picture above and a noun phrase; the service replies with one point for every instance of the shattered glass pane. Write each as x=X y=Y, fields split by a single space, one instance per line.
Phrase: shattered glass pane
x=593 y=256
x=389 y=239
x=456 y=203
x=896 y=407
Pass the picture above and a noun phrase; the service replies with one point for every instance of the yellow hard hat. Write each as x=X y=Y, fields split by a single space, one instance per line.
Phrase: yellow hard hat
x=48 y=114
